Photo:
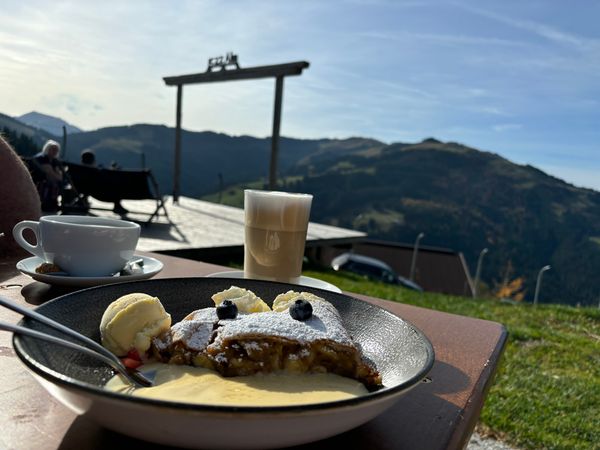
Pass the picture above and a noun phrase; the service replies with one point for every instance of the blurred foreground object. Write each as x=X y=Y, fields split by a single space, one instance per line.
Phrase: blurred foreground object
x=19 y=199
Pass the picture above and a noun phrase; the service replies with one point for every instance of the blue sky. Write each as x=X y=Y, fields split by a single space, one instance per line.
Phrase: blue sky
x=518 y=78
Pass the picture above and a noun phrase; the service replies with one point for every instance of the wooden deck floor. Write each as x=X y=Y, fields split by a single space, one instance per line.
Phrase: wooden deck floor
x=197 y=224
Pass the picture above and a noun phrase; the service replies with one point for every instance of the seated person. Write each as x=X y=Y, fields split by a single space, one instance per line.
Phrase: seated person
x=18 y=198
x=88 y=158
x=50 y=187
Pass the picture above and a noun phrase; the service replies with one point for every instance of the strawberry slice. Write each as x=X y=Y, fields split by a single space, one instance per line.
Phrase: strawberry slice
x=132 y=360
x=131 y=363
x=133 y=354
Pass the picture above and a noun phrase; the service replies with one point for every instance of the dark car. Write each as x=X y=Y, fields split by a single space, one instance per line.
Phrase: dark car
x=372 y=268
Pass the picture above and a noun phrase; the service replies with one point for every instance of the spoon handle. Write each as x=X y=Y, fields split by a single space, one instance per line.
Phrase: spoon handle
x=136 y=377
x=99 y=351
x=55 y=340
x=58 y=326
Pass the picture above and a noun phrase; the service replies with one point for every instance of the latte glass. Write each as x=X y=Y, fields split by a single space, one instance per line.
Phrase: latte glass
x=275 y=234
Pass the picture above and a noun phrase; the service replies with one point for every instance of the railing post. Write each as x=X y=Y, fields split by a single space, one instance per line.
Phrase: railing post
x=413 y=264
x=478 y=272
x=177 y=162
x=275 y=137
x=538 y=284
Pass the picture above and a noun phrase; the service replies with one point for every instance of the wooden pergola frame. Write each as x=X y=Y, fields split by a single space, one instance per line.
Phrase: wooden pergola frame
x=278 y=71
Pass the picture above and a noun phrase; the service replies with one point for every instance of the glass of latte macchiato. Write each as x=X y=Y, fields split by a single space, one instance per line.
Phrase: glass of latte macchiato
x=275 y=227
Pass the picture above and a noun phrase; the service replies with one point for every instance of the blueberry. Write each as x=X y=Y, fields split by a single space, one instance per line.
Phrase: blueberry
x=301 y=310
x=227 y=310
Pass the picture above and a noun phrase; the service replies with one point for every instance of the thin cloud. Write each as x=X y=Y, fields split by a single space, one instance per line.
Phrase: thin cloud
x=460 y=39
x=70 y=102
x=494 y=111
x=542 y=30
x=507 y=127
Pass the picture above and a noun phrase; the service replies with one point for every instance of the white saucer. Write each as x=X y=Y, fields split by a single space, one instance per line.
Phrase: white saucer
x=27 y=266
x=304 y=281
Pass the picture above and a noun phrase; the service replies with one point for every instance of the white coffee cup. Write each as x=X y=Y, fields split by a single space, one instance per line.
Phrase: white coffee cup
x=82 y=246
x=275 y=234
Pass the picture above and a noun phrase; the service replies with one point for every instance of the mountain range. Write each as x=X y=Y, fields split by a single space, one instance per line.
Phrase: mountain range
x=468 y=200
x=52 y=125
x=460 y=197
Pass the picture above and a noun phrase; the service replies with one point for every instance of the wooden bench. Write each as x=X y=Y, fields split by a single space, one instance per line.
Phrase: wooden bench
x=109 y=185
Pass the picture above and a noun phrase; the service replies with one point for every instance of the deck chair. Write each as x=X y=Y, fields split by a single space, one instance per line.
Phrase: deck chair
x=108 y=185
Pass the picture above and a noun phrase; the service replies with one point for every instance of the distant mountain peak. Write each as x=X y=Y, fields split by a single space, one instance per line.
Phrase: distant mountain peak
x=51 y=124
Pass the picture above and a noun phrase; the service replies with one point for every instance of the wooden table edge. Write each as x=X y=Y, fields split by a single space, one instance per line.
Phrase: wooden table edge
x=460 y=437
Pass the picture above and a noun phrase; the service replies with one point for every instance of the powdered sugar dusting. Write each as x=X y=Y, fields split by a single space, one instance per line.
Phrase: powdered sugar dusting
x=198 y=327
x=251 y=345
x=204 y=314
x=196 y=330
x=325 y=324
x=221 y=358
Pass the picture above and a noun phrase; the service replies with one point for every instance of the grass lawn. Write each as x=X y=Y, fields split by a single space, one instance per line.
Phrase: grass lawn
x=546 y=394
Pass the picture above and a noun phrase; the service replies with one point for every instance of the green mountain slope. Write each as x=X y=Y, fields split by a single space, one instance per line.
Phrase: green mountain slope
x=205 y=155
x=466 y=199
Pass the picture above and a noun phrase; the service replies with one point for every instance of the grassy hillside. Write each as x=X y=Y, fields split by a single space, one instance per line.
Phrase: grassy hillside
x=547 y=390
x=465 y=199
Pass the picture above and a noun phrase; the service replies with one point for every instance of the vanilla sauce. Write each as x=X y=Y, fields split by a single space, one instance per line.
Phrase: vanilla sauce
x=206 y=387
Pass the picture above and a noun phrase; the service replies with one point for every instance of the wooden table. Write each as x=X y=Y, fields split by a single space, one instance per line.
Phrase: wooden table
x=440 y=414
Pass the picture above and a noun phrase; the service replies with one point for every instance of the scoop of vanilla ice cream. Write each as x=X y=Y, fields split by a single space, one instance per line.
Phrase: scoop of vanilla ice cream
x=131 y=321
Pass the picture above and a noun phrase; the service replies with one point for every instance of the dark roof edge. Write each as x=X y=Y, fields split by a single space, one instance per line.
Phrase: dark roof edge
x=425 y=248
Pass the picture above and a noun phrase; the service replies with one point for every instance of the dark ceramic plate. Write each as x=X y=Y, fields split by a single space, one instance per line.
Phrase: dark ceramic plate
x=402 y=354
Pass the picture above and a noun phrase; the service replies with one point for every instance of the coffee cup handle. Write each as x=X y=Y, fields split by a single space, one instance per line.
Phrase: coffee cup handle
x=18 y=235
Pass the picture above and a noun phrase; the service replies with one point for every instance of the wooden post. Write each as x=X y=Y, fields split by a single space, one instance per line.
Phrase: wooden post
x=278 y=71
x=64 y=143
x=275 y=137
x=177 y=147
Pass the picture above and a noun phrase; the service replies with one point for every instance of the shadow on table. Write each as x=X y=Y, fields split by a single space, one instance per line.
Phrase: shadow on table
x=85 y=434
x=37 y=293
x=8 y=268
x=164 y=232
x=447 y=379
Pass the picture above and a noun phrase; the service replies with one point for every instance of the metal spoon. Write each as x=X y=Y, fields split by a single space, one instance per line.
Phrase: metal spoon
x=134 y=376
x=133 y=267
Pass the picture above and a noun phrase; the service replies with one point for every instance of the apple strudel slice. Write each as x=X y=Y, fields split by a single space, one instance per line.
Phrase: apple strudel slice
x=302 y=334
